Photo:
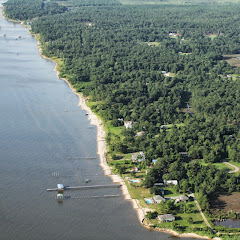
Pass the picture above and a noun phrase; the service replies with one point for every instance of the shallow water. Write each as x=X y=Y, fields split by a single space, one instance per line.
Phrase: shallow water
x=231 y=223
x=45 y=140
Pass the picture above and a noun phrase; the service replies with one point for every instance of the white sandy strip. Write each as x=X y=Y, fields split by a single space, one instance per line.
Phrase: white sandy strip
x=102 y=150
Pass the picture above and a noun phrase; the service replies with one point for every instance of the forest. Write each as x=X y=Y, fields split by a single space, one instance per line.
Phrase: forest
x=158 y=66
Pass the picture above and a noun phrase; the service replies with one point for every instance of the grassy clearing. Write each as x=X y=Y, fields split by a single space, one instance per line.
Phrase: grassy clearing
x=237 y=164
x=169 y=192
x=182 y=219
x=138 y=192
x=153 y=43
x=217 y=165
x=233 y=59
x=115 y=130
x=170 y=126
x=211 y=36
x=184 y=54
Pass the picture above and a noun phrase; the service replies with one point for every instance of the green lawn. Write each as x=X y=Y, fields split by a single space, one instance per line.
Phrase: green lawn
x=169 y=192
x=115 y=130
x=137 y=192
x=153 y=43
x=237 y=164
x=217 y=165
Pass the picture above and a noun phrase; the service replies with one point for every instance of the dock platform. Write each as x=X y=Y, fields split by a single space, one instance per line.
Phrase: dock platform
x=87 y=187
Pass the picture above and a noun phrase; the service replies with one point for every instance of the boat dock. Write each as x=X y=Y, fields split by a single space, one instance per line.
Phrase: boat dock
x=87 y=197
x=85 y=187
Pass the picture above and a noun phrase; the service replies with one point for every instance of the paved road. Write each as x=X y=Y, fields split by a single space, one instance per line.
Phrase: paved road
x=236 y=169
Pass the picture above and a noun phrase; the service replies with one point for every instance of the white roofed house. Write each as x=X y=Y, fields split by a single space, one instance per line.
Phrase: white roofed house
x=138 y=157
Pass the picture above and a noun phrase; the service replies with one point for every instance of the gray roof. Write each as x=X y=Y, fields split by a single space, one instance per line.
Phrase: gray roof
x=158 y=198
x=166 y=216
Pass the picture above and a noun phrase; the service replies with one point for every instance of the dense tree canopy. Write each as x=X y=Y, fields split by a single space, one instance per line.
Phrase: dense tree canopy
x=148 y=64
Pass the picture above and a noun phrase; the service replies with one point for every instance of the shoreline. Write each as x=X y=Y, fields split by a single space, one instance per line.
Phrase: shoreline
x=102 y=150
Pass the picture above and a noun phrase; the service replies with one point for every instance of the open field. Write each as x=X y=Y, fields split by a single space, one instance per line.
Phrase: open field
x=217 y=165
x=225 y=202
x=233 y=59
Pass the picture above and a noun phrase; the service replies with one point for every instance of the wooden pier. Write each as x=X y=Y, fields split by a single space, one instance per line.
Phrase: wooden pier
x=87 y=187
x=88 y=197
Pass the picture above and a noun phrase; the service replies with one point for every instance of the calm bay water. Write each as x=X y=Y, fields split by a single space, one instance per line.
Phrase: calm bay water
x=43 y=132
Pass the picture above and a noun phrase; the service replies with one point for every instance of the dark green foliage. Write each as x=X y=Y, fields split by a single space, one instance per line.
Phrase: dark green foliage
x=151 y=215
x=29 y=9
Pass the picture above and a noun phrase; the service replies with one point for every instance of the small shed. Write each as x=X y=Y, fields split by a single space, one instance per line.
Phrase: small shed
x=166 y=218
x=173 y=182
x=60 y=186
x=128 y=124
x=59 y=196
x=184 y=154
x=183 y=198
x=158 y=199
x=154 y=161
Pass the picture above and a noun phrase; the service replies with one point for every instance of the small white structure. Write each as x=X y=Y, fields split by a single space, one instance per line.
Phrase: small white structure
x=173 y=182
x=158 y=184
x=59 y=196
x=138 y=157
x=128 y=124
x=135 y=169
x=158 y=199
x=60 y=187
x=166 y=218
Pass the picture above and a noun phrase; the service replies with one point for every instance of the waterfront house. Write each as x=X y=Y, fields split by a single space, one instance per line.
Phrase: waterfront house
x=166 y=218
x=158 y=199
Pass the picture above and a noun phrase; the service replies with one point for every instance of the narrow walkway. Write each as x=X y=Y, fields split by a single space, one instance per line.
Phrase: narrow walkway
x=236 y=169
x=201 y=212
